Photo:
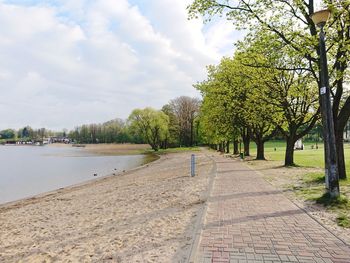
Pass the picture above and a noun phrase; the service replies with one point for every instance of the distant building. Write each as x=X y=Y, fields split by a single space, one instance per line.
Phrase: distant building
x=299 y=145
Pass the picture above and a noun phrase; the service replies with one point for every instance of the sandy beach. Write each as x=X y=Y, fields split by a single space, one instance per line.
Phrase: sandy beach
x=144 y=215
x=109 y=149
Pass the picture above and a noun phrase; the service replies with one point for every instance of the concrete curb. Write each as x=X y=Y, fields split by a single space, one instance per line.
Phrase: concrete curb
x=193 y=255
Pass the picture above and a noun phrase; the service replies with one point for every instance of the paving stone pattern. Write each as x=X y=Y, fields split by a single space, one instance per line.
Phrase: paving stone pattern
x=248 y=220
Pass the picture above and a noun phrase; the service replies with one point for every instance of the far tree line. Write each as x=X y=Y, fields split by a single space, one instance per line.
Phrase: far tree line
x=28 y=133
x=176 y=124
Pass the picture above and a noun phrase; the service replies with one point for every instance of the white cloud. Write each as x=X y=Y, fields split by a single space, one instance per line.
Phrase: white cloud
x=83 y=61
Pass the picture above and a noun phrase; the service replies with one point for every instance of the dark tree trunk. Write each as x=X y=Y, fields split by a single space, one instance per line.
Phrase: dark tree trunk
x=260 y=150
x=222 y=147
x=339 y=126
x=289 y=157
x=341 y=115
x=154 y=146
x=165 y=144
x=228 y=147
x=246 y=143
x=235 y=147
x=339 y=142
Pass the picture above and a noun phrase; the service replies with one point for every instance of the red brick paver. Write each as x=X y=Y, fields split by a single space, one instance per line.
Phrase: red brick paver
x=247 y=220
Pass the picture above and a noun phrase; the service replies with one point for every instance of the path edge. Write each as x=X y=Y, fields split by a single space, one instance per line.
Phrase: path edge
x=297 y=205
x=193 y=255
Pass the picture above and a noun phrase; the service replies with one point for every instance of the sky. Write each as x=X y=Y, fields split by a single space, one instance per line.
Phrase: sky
x=65 y=63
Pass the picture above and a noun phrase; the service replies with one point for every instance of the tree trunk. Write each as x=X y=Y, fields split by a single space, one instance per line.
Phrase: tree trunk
x=289 y=157
x=260 y=150
x=228 y=147
x=222 y=147
x=339 y=142
x=246 y=143
x=235 y=147
x=154 y=146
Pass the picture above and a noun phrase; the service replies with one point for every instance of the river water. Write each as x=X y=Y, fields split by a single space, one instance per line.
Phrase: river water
x=30 y=170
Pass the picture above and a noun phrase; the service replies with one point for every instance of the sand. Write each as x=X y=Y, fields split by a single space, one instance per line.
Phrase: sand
x=144 y=215
x=109 y=148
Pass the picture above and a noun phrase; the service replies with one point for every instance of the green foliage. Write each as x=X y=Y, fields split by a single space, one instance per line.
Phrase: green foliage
x=172 y=137
x=289 y=32
x=343 y=220
x=183 y=122
x=293 y=93
x=114 y=131
x=150 y=124
x=7 y=134
x=233 y=100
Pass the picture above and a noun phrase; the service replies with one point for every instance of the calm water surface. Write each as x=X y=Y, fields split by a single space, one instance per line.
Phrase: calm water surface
x=29 y=170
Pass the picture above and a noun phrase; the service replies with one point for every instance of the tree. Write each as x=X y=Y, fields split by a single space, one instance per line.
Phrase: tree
x=172 y=138
x=7 y=134
x=292 y=94
x=233 y=101
x=186 y=110
x=151 y=124
x=297 y=100
x=113 y=131
x=290 y=22
x=26 y=132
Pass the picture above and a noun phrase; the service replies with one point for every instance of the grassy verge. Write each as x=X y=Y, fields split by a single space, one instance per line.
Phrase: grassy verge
x=311 y=186
x=313 y=189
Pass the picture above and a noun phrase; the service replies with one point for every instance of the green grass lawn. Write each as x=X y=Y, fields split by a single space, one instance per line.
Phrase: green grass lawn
x=308 y=157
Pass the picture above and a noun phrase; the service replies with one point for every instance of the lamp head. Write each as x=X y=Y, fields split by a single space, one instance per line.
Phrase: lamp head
x=320 y=17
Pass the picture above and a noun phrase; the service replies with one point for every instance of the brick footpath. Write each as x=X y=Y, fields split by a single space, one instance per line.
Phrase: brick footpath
x=247 y=220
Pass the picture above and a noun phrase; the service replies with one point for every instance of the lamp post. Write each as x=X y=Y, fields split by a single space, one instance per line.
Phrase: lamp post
x=331 y=168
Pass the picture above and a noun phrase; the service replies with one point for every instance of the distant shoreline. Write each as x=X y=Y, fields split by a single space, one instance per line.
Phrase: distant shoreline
x=78 y=185
x=101 y=149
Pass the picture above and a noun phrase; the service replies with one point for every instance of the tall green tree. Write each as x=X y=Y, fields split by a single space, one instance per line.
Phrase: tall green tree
x=172 y=137
x=290 y=22
x=233 y=100
x=186 y=110
x=150 y=124
x=292 y=94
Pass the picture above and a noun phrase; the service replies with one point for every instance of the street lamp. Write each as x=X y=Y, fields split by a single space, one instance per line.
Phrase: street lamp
x=331 y=168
